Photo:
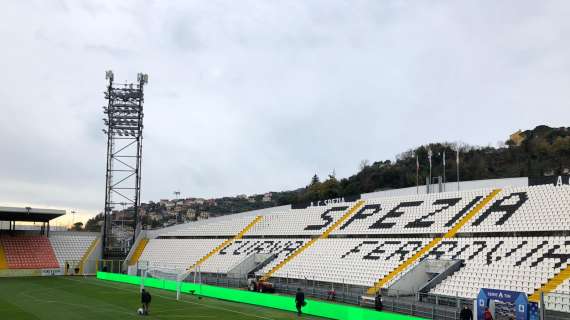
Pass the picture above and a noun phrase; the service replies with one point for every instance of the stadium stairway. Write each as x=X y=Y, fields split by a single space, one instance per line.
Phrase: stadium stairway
x=551 y=285
x=449 y=234
x=3 y=262
x=324 y=235
x=138 y=251
x=226 y=243
x=87 y=254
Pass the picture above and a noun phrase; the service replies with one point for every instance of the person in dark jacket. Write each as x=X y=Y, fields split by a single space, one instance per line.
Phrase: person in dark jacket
x=378 y=302
x=299 y=301
x=145 y=299
x=466 y=314
x=487 y=315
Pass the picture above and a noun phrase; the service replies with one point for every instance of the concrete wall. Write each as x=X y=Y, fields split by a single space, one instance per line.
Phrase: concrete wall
x=90 y=266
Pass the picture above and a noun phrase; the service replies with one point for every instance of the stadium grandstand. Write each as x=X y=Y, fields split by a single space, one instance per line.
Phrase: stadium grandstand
x=29 y=249
x=279 y=160
x=427 y=254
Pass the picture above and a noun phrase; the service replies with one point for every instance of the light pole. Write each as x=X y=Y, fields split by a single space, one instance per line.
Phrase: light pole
x=177 y=195
x=72 y=218
x=430 y=154
x=457 y=164
x=444 y=181
x=417 y=175
x=123 y=126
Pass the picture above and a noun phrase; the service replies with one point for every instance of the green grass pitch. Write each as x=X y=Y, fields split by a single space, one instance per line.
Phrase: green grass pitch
x=54 y=298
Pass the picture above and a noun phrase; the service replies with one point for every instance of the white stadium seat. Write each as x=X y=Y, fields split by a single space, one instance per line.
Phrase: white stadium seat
x=354 y=261
x=310 y=221
x=220 y=227
x=517 y=241
x=70 y=247
x=181 y=253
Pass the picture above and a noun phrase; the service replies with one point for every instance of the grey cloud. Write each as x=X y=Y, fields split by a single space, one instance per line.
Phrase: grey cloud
x=113 y=51
x=251 y=96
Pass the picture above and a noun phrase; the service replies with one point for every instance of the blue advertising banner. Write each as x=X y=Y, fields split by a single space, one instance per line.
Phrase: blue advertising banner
x=519 y=299
x=533 y=311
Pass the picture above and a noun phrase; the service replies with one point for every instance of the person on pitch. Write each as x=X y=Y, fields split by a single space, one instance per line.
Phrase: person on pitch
x=299 y=301
x=145 y=299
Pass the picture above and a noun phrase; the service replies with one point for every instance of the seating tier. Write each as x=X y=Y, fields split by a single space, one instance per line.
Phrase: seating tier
x=311 y=221
x=510 y=263
x=560 y=299
x=424 y=214
x=70 y=247
x=217 y=227
x=236 y=252
x=518 y=241
x=536 y=208
x=27 y=252
x=180 y=253
x=353 y=261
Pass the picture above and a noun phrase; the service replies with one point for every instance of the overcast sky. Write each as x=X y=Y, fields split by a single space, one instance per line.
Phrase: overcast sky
x=256 y=96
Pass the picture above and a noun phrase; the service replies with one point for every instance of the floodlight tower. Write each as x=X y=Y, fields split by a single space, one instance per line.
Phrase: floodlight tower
x=123 y=127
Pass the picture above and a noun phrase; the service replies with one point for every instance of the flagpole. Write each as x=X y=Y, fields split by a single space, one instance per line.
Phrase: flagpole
x=417 y=175
x=443 y=170
x=457 y=162
x=429 y=158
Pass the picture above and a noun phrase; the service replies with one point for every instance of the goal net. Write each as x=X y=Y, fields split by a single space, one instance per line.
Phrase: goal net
x=176 y=273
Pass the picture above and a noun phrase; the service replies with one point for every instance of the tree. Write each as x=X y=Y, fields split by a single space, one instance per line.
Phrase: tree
x=314 y=180
x=363 y=164
x=94 y=224
x=78 y=226
x=332 y=175
x=330 y=189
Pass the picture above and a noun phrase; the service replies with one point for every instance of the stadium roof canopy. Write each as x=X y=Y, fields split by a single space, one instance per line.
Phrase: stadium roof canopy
x=29 y=214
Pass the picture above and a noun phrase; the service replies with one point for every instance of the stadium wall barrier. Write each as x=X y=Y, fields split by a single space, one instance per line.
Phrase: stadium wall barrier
x=12 y=273
x=287 y=303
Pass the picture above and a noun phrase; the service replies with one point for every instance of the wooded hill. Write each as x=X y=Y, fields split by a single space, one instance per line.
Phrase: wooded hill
x=538 y=152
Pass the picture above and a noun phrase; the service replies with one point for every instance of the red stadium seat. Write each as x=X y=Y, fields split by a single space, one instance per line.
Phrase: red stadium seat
x=29 y=253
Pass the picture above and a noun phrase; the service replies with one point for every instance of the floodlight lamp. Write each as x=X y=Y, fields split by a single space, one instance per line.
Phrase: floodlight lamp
x=109 y=75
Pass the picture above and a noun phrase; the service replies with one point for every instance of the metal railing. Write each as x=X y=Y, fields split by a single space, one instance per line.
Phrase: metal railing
x=422 y=305
x=112 y=266
x=557 y=306
x=425 y=305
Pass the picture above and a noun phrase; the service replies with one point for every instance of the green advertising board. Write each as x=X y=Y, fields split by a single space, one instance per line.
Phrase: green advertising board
x=313 y=307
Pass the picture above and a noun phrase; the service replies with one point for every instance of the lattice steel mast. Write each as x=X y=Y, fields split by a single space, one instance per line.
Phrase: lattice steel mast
x=123 y=127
